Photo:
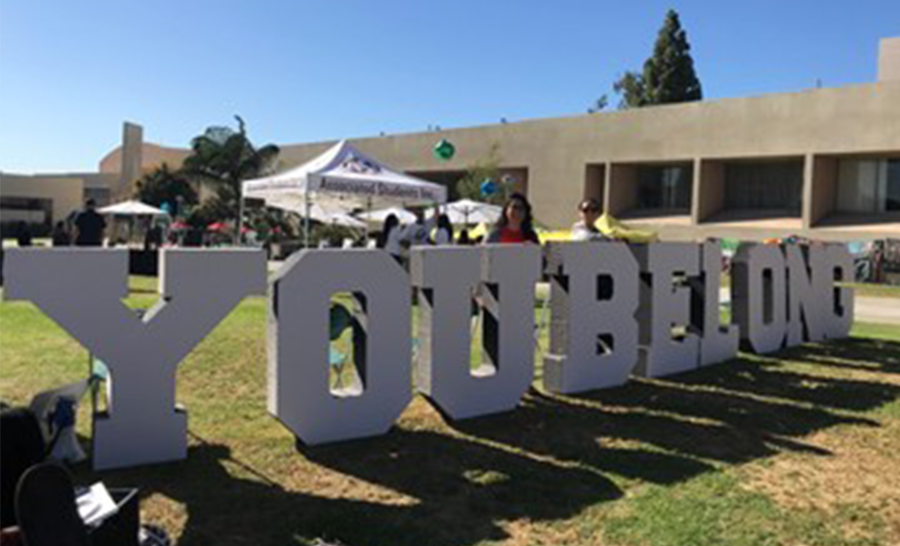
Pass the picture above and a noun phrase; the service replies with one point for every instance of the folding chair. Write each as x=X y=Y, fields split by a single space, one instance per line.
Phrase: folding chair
x=46 y=508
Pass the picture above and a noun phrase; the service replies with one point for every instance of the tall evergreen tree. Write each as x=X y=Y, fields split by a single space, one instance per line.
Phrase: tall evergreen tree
x=668 y=75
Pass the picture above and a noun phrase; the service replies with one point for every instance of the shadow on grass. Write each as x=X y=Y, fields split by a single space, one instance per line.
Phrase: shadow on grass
x=547 y=461
x=869 y=355
x=461 y=492
x=729 y=413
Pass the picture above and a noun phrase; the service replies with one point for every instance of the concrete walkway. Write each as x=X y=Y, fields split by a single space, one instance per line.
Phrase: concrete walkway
x=878 y=310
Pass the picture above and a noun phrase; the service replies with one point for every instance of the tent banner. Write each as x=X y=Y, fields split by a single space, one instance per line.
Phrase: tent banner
x=380 y=189
x=270 y=184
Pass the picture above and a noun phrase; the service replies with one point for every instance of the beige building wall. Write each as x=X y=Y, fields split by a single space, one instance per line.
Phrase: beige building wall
x=889 y=60
x=132 y=160
x=152 y=156
x=708 y=197
x=861 y=119
x=65 y=192
x=820 y=188
x=559 y=161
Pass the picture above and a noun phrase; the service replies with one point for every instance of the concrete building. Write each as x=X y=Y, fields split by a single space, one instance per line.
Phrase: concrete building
x=824 y=163
x=43 y=199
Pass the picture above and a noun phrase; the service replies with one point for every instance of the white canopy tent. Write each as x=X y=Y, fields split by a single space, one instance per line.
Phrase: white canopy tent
x=340 y=179
x=467 y=211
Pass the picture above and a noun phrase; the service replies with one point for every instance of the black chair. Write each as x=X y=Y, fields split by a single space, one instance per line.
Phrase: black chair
x=46 y=508
x=22 y=446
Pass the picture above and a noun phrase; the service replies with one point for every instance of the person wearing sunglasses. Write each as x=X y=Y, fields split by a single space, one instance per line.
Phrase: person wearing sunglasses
x=585 y=228
x=515 y=224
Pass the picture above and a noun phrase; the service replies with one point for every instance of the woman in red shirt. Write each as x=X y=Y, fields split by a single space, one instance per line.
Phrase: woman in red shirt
x=515 y=224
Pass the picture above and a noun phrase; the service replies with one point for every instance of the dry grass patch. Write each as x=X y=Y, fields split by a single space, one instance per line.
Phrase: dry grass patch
x=862 y=474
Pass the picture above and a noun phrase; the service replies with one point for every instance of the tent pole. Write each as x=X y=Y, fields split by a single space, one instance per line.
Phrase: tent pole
x=240 y=219
x=306 y=217
x=369 y=210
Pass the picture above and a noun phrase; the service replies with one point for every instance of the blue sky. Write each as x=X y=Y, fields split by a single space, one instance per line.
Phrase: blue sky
x=71 y=72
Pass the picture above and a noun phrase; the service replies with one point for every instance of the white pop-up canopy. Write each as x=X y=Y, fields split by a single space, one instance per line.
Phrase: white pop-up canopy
x=343 y=178
x=340 y=179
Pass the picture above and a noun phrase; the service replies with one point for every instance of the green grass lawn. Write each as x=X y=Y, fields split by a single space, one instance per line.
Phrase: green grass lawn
x=802 y=447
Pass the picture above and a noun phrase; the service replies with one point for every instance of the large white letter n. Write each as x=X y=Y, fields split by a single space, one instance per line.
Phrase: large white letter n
x=82 y=289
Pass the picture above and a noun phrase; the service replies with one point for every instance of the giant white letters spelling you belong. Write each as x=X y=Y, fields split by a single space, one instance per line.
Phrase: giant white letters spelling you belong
x=593 y=311
x=593 y=329
x=298 y=339
x=445 y=278
x=81 y=289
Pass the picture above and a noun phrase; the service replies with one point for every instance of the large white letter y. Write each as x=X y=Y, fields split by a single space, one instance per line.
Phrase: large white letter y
x=82 y=289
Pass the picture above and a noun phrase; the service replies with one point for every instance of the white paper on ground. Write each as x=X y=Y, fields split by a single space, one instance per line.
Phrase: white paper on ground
x=95 y=504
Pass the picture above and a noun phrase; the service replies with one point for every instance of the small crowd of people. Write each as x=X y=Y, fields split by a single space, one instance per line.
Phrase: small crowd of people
x=87 y=229
x=515 y=225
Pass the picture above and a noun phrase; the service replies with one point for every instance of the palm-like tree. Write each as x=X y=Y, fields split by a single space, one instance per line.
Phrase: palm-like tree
x=164 y=185
x=221 y=159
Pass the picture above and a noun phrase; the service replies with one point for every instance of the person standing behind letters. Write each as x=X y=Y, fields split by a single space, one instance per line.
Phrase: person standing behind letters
x=585 y=229
x=89 y=226
x=61 y=235
x=389 y=240
x=443 y=233
x=23 y=234
x=515 y=224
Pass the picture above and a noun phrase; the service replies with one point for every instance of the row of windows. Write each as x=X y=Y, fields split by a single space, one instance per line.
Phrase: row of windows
x=869 y=185
x=772 y=186
x=864 y=186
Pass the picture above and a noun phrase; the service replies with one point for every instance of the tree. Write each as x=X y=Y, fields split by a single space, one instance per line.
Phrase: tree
x=488 y=167
x=631 y=88
x=221 y=159
x=668 y=76
x=163 y=185
x=599 y=104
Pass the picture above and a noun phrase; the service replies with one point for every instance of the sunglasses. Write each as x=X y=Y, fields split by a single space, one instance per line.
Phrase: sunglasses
x=590 y=209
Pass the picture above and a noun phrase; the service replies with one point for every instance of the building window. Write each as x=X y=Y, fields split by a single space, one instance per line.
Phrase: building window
x=99 y=195
x=773 y=186
x=25 y=209
x=869 y=185
x=665 y=187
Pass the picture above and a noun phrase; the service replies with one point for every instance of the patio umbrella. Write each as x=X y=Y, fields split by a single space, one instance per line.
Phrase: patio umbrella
x=132 y=208
x=379 y=216
x=467 y=211
x=345 y=220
